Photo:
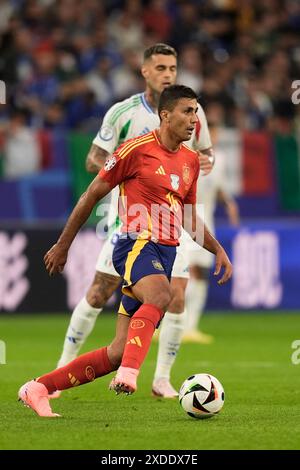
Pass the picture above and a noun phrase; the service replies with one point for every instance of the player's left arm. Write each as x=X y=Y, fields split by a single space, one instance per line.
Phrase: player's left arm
x=199 y=232
x=230 y=205
x=201 y=235
x=56 y=258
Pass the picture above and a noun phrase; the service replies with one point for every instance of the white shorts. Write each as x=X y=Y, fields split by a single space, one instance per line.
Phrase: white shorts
x=181 y=263
x=104 y=262
x=189 y=253
x=105 y=265
x=197 y=255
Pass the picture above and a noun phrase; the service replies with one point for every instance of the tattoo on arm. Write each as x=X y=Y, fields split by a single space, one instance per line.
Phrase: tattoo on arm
x=95 y=159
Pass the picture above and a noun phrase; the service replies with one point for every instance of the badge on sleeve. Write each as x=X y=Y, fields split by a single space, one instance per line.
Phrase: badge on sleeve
x=106 y=133
x=110 y=163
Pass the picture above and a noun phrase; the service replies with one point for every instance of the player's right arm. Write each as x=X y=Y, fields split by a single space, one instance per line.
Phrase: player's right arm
x=117 y=169
x=95 y=159
x=56 y=258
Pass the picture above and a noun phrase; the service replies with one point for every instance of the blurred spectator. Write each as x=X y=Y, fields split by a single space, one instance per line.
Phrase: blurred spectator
x=23 y=46
x=99 y=81
x=127 y=78
x=186 y=27
x=21 y=153
x=43 y=88
x=104 y=45
x=84 y=49
x=125 y=26
x=7 y=8
x=282 y=122
x=215 y=114
x=54 y=117
x=190 y=67
x=157 y=19
x=84 y=113
x=66 y=60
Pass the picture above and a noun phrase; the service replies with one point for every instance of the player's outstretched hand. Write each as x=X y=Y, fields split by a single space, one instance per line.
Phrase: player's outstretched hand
x=55 y=259
x=222 y=261
x=206 y=163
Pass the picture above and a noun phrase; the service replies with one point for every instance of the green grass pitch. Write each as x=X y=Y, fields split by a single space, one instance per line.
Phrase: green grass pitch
x=251 y=356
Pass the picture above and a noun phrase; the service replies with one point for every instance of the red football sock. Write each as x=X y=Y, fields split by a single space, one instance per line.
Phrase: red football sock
x=140 y=332
x=81 y=370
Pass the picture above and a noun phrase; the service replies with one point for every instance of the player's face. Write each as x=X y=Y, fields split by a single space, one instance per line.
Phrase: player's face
x=182 y=119
x=160 y=71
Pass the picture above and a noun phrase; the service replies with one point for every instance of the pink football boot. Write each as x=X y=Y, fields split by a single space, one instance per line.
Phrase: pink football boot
x=35 y=395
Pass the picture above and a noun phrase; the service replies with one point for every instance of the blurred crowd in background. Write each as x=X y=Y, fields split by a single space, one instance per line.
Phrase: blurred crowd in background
x=65 y=62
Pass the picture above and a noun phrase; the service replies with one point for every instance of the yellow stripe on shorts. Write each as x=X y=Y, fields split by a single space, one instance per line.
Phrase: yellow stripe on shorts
x=131 y=257
x=122 y=310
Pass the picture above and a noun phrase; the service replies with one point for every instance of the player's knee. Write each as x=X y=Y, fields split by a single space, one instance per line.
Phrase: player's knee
x=101 y=290
x=176 y=304
x=161 y=299
x=96 y=297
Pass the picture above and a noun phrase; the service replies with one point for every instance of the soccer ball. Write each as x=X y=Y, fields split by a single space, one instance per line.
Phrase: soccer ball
x=201 y=396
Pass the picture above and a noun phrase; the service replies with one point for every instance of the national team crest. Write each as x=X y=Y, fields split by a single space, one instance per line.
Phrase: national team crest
x=174 y=181
x=157 y=265
x=186 y=173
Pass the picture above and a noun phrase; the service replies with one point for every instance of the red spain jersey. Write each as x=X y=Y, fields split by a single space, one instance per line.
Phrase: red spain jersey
x=155 y=183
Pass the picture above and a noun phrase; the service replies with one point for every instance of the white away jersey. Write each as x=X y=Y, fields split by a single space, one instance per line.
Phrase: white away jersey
x=208 y=187
x=131 y=118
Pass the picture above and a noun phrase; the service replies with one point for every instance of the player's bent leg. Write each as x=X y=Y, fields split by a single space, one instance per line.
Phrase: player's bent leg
x=146 y=269
x=154 y=291
x=85 y=314
x=171 y=331
x=125 y=380
x=81 y=370
x=84 y=317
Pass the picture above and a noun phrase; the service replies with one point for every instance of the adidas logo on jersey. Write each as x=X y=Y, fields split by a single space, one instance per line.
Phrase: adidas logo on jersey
x=136 y=340
x=160 y=171
x=75 y=382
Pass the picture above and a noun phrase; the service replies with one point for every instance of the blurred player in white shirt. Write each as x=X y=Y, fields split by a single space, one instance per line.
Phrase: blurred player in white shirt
x=211 y=191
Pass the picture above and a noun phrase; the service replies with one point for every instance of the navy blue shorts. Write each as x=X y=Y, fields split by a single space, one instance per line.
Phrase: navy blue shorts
x=135 y=259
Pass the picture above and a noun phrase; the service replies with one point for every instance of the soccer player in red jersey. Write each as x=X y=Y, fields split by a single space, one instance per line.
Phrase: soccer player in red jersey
x=152 y=205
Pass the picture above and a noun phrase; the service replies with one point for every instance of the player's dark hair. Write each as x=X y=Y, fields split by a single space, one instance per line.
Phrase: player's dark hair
x=172 y=94
x=159 y=48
